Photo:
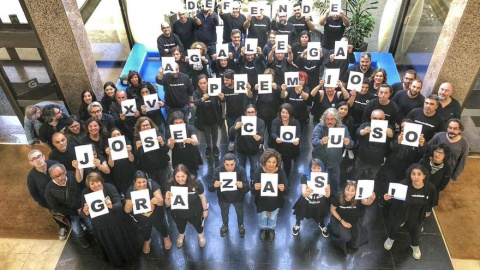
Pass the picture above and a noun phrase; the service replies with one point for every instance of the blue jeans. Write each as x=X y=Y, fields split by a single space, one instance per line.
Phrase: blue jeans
x=334 y=179
x=268 y=222
x=169 y=110
x=77 y=228
x=253 y=159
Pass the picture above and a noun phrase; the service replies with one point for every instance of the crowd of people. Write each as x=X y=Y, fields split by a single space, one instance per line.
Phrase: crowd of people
x=59 y=185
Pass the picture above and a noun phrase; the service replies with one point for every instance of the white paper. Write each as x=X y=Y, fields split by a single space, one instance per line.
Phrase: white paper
x=364 y=189
x=84 y=155
x=194 y=56
x=292 y=79
x=313 y=51
x=251 y=45
x=341 y=49
x=96 y=204
x=378 y=131
x=281 y=43
x=191 y=5
x=178 y=132
x=411 y=134
x=141 y=201
x=254 y=8
x=210 y=4
x=335 y=7
x=307 y=8
x=222 y=51
x=149 y=140
x=249 y=127
x=335 y=137
x=282 y=6
x=264 y=84
x=129 y=107
x=332 y=76
x=398 y=191
x=229 y=181
x=318 y=182
x=151 y=101
x=214 y=86
x=118 y=147
x=288 y=133
x=227 y=6
x=240 y=82
x=355 y=81
x=179 y=198
x=269 y=185
x=167 y=64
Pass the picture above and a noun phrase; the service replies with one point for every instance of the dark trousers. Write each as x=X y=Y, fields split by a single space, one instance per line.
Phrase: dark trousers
x=365 y=171
x=225 y=209
x=340 y=235
x=287 y=163
x=195 y=220
x=414 y=228
x=61 y=220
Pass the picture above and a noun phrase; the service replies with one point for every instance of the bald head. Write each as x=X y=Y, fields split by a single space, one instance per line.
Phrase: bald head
x=377 y=115
x=445 y=91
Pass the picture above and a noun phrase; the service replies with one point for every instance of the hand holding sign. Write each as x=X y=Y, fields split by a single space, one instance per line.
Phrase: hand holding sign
x=364 y=189
x=178 y=132
x=318 y=182
x=214 y=86
x=378 y=131
x=151 y=102
x=331 y=77
x=149 y=140
x=269 y=185
x=228 y=181
x=397 y=191
x=118 y=147
x=84 y=155
x=411 y=134
x=96 y=204
x=141 y=201
x=313 y=51
x=129 y=107
x=167 y=64
x=179 y=197
x=335 y=136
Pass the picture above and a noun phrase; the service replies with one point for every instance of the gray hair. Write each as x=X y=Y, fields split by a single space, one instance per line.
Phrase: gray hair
x=335 y=114
x=30 y=111
x=54 y=166
x=32 y=152
x=94 y=104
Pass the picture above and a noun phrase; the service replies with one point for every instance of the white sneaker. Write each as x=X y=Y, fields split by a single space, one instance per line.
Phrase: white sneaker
x=388 y=244
x=416 y=252
x=62 y=234
x=350 y=154
x=231 y=147
x=296 y=229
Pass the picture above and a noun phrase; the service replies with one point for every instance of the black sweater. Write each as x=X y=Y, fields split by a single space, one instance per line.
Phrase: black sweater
x=230 y=196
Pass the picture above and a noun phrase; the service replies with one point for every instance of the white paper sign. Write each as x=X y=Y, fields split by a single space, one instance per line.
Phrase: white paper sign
x=96 y=203
x=364 y=189
x=398 y=191
x=149 y=140
x=331 y=77
x=341 y=49
x=210 y=4
x=222 y=51
x=129 y=107
x=214 y=86
x=313 y=51
x=229 y=181
x=355 y=81
x=292 y=79
x=269 y=185
x=240 y=82
x=191 y=5
x=264 y=84
x=283 y=6
x=227 y=6
x=378 y=131
x=288 y=133
x=251 y=45
x=178 y=132
x=307 y=8
x=249 y=127
x=179 y=197
x=411 y=134
x=168 y=63
x=151 y=101
x=335 y=7
x=281 y=43
x=335 y=137
x=318 y=182
x=254 y=8
x=84 y=155
x=141 y=201
x=118 y=147
x=194 y=56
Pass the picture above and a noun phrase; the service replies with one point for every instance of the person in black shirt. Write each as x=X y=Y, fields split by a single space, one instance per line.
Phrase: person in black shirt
x=333 y=28
x=300 y=46
x=63 y=151
x=96 y=111
x=301 y=23
x=87 y=96
x=167 y=40
x=358 y=102
x=383 y=103
x=184 y=28
x=122 y=121
x=327 y=98
x=283 y=27
x=364 y=67
x=206 y=32
x=232 y=20
x=428 y=117
x=135 y=84
x=410 y=99
x=108 y=98
x=407 y=79
x=54 y=122
x=258 y=27
x=299 y=98
x=280 y=64
x=449 y=107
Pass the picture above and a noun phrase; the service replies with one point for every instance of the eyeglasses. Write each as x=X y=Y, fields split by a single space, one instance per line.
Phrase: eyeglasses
x=37 y=158
x=145 y=126
x=438 y=152
x=96 y=112
x=58 y=176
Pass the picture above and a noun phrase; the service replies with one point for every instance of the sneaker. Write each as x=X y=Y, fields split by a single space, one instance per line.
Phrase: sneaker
x=271 y=235
x=180 y=240
x=324 y=230
x=416 y=252
x=62 y=234
x=83 y=242
x=421 y=230
x=296 y=229
x=261 y=149
x=350 y=154
x=263 y=234
x=216 y=152
x=201 y=240
x=241 y=231
x=388 y=244
x=208 y=152
x=403 y=224
x=223 y=230
x=231 y=147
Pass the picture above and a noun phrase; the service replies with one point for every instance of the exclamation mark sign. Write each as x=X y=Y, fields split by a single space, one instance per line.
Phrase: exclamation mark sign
x=360 y=191
x=393 y=192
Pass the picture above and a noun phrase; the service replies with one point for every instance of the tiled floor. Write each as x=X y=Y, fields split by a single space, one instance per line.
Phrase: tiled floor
x=29 y=254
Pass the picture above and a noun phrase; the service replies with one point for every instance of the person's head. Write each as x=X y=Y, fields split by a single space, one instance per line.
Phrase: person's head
x=120 y=96
x=229 y=162
x=304 y=38
x=297 y=10
x=417 y=173
x=272 y=38
x=177 y=117
x=384 y=93
x=282 y=18
x=59 y=141
x=270 y=160
x=365 y=86
x=331 y=118
x=250 y=110
x=430 y=105
x=316 y=165
x=379 y=76
x=279 y=56
x=73 y=125
x=236 y=9
x=134 y=78
x=88 y=96
x=115 y=132
x=342 y=108
x=303 y=78
x=405 y=120
x=439 y=152
x=270 y=71
x=95 y=109
x=287 y=112
x=223 y=62
x=109 y=89
x=144 y=123
x=93 y=126
x=51 y=112
x=409 y=76
x=415 y=87
x=445 y=91
x=182 y=16
x=200 y=46
x=58 y=173
x=202 y=82
x=377 y=115
x=182 y=176
x=365 y=61
x=94 y=181
x=347 y=196
x=144 y=91
x=454 y=128
x=140 y=180
x=36 y=158
x=176 y=53
x=176 y=68
x=33 y=112
x=228 y=76
x=166 y=29
x=236 y=37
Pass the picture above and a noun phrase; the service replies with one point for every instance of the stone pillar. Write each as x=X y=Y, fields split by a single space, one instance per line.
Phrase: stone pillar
x=61 y=31
x=456 y=58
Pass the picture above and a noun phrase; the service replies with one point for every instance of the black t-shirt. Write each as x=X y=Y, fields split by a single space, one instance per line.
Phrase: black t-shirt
x=195 y=206
x=235 y=103
x=431 y=124
x=333 y=31
x=285 y=29
x=390 y=110
x=177 y=90
x=313 y=198
x=185 y=31
x=344 y=77
x=230 y=23
x=259 y=29
x=405 y=104
x=359 y=105
x=65 y=158
x=299 y=24
x=348 y=212
x=299 y=104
